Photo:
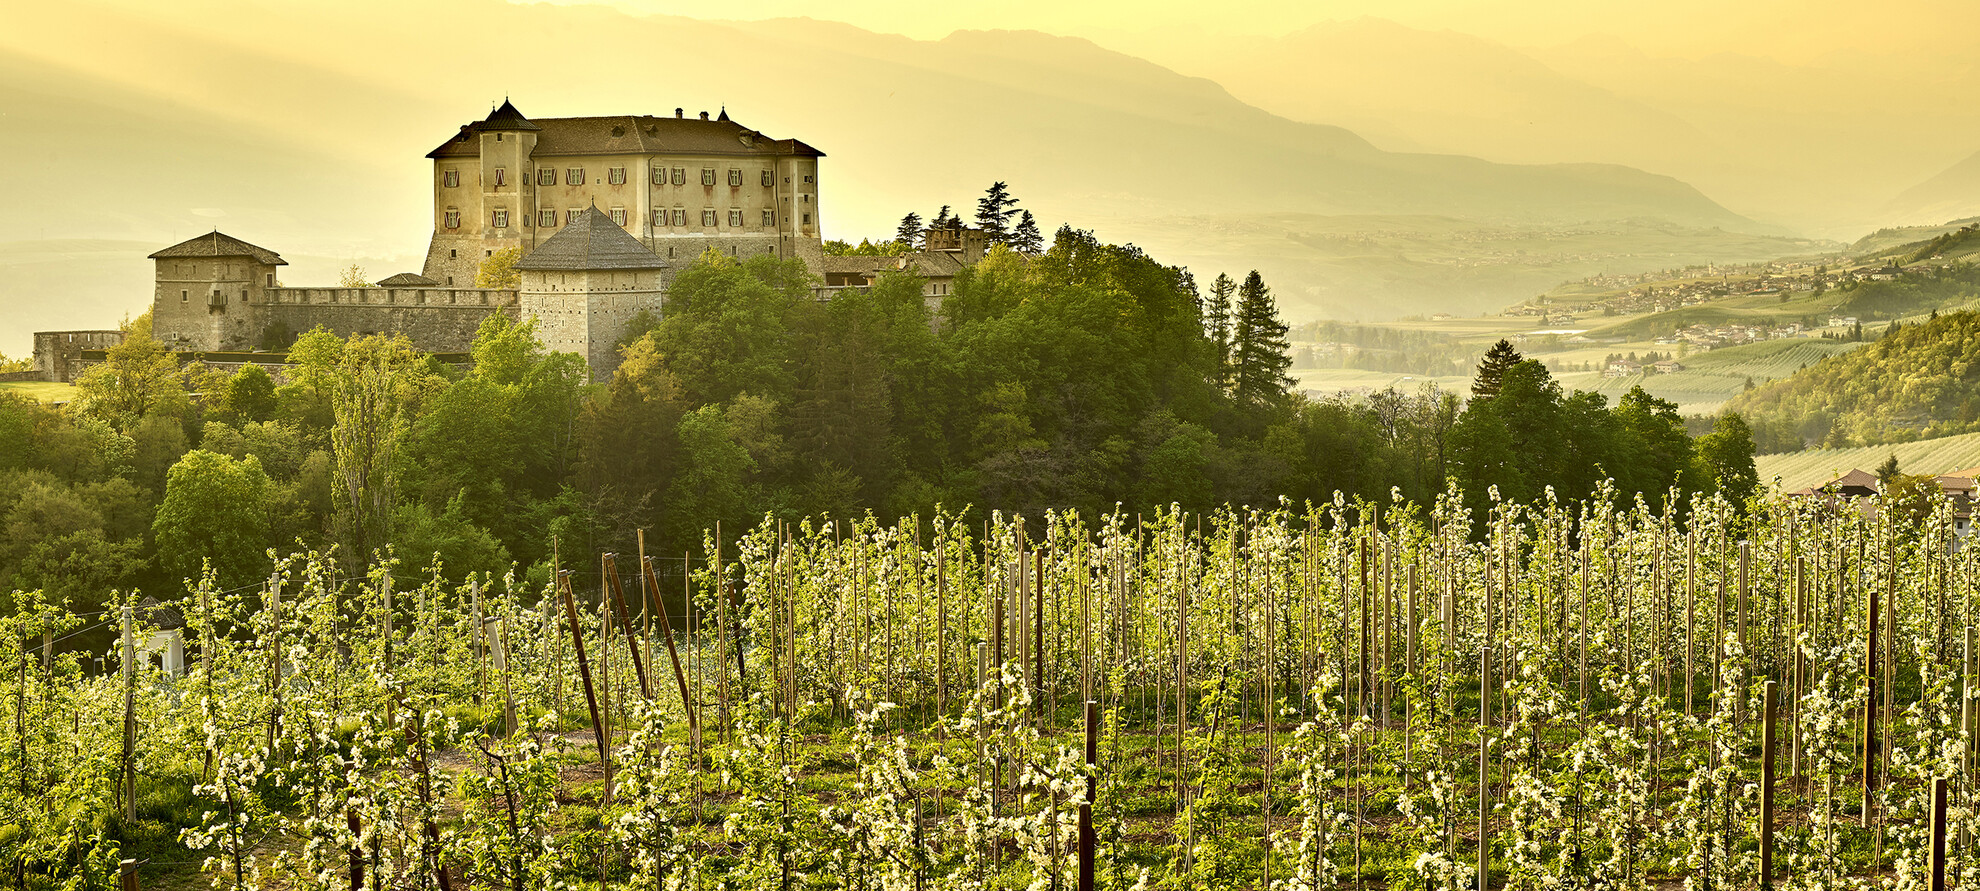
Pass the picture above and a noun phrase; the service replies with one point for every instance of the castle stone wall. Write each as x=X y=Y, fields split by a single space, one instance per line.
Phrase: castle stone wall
x=58 y=354
x=439 y=320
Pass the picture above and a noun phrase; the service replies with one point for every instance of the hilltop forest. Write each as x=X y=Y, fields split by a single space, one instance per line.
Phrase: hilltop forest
x=1914 y=382
x=1085 y=377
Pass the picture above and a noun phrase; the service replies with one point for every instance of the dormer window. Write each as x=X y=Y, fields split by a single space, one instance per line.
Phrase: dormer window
x=574 y=176
x=451 y=179
x=617 y=176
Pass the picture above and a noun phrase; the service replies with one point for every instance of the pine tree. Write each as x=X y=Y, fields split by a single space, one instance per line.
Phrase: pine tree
x=942 y=219
x=1026 y=237
x=910 y=231
x=994 y=211
x=1217 y=325
x=1492 y=371
x=1259 y=359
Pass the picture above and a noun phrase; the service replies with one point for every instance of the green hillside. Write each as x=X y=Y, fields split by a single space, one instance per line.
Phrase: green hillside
x=1710 y=379
x=1918 y=382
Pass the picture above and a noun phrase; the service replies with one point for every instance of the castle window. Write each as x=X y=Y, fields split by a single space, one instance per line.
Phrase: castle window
x=659 y=218
x=546 y=176
x=451 y=179
x=707 y=176
x=680 y=216
x=769 y=218
x=453 y=219
x=619 y=216
x=571 y=216
x=680 y=176
x=659 y=176
x=807 y=219
x=735 y=177
x=501 y=177
x=184 y=295
x=617 y=176
x=807 y=177
x=500 y=218
x=708 y=216
x=574 y=176
x=735 y=219
x=546 y=218
x=768 y=179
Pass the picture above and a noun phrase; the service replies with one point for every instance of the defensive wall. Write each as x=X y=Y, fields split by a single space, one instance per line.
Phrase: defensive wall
x=439 y=320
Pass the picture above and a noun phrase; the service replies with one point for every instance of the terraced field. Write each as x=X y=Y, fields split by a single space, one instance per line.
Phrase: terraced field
x=1808 y=468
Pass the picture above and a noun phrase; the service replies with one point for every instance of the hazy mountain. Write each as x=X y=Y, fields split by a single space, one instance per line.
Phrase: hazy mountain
x=316 y=147
x=1953 y=193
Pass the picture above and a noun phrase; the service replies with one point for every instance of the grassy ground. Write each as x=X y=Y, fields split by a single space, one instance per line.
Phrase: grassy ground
x=42 y=390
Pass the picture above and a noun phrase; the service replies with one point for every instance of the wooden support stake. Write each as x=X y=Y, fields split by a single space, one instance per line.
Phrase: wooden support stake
x=1086 y=835
x=1767 y=720
x=130 y=722
x=1870 y=619
x=1936 y=868
x=127 y=875
x=667 y=631
x=626 y=626
x=584 y=665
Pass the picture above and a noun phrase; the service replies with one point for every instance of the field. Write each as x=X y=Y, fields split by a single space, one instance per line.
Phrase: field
x=42 y=390
x=1345 y=698
x=1815 y=466
x=1711 y=378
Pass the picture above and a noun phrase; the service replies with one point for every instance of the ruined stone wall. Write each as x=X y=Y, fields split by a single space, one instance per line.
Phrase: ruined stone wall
x=58 y=354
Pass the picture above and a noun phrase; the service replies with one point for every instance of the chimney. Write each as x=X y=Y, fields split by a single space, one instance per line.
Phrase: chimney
x=678 y=112
x=704 y=115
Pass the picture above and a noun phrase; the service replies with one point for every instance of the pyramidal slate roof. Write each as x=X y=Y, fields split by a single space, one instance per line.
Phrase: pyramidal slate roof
x=507 y=118
x=407 y=280
x=217 y=244
x=593 y=241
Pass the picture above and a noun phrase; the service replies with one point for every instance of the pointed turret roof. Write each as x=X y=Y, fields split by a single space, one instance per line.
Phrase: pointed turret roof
x=506 y=117
x=592 y=241
x=217 y=244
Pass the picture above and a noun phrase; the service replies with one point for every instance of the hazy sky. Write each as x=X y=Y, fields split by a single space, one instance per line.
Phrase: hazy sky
x=1787 y=30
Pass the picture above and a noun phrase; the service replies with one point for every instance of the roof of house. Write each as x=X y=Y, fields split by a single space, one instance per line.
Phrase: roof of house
x=592 y=241
x=162 y=616
x=1856 y=478
x=217 y=244
x=624 y=135
x=927 y=264
x=407 y=280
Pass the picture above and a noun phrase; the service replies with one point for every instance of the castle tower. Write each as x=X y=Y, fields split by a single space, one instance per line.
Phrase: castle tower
x=585 y=283
x=209 y=291
x=485 y=201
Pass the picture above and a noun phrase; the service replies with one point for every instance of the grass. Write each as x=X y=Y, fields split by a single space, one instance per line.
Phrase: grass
x=42 y=390
x=1932 y=456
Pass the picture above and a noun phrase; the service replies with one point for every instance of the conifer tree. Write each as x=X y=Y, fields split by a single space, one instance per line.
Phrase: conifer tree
x=1259 y=360
x=1026 y=237
x=994 y=211
x=942 y=219
x=1492 y=371
x=1217 y=324
x=910 y=231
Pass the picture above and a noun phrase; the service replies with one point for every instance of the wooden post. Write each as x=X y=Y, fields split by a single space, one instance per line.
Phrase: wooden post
x=130 y=721
x=1870 y=619
x=626 y=625
x=274 y=643
x=584 y=665
x=1768 y=717
x=1086 y=835
x=667 y=631
x=498 y=644
x=357 y=848
x=127 y=875
x=1937 y=865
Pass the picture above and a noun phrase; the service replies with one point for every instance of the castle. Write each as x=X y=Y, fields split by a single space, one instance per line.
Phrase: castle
x=602 y=209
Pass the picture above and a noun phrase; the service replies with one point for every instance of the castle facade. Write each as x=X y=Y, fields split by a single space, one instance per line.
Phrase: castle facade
x=679 y=185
